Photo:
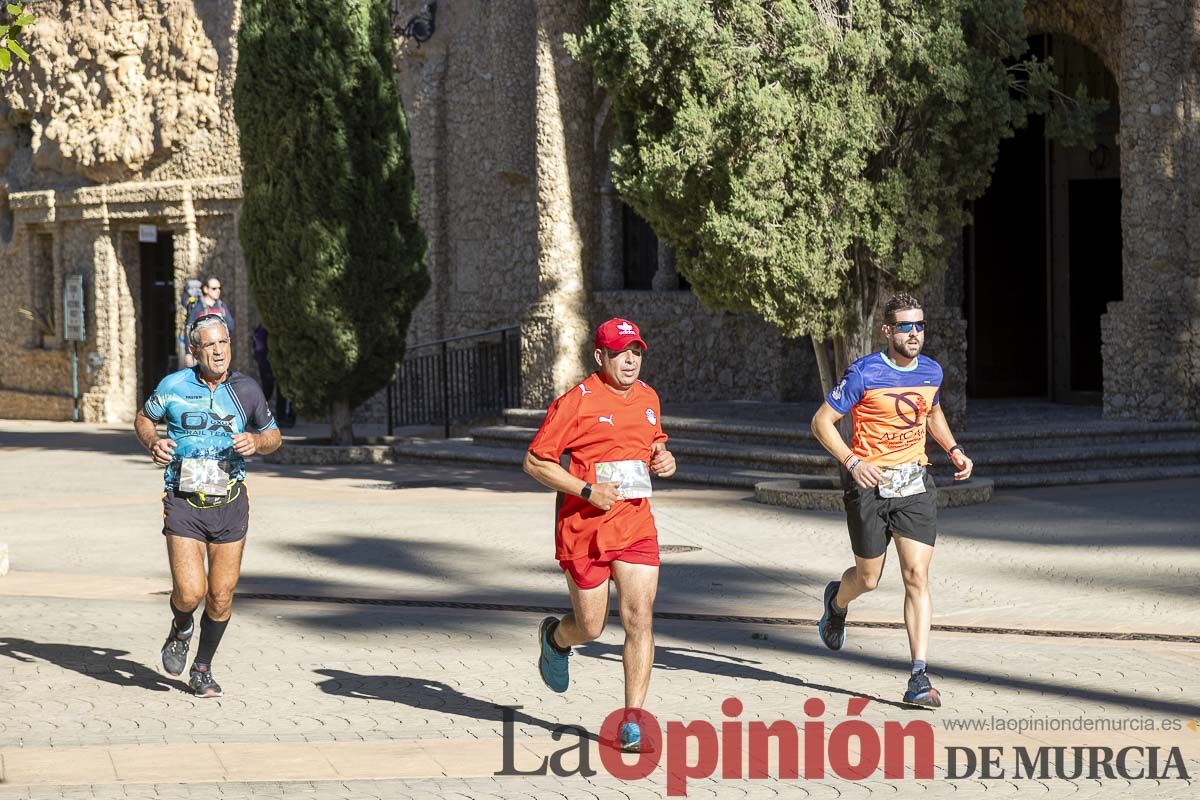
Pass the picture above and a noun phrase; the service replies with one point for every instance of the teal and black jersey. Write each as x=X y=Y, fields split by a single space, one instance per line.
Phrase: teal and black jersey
x=202 y=421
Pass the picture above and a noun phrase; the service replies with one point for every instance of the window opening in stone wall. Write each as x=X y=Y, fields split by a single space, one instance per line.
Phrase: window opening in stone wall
x=639 y=251
x=41 y=286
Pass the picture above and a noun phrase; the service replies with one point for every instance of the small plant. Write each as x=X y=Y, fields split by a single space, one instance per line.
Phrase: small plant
x=8 y=36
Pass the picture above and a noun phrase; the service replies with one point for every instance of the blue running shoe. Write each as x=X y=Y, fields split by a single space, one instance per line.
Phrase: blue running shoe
x=631 y=737
x=832 y=626
x=552 y=664
x=921 y=692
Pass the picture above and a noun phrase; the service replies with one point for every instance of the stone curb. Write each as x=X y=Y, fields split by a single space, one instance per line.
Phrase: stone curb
x=790 y=493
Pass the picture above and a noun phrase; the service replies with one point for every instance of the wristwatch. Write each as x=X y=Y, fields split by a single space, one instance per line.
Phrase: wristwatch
x=586 y=491
x=958 y=447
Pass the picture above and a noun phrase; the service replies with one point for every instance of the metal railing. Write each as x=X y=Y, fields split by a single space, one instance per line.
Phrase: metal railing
x=456 y=380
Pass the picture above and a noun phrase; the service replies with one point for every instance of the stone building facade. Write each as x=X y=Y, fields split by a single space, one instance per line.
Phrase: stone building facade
x=126 y=121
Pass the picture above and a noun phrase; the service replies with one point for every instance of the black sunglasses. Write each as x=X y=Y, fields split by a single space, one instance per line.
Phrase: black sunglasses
x=907 y=327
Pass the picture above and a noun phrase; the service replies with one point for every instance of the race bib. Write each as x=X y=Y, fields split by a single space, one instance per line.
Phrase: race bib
x=633 y=476
x=203 y=476
x=904 y=480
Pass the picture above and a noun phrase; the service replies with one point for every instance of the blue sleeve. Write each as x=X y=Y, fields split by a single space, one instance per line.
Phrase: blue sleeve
x=846 y=394
x=155 y=406
x=937 y=396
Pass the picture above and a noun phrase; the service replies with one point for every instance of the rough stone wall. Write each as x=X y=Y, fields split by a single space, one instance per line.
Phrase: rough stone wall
x=1152 y=337
x=116 y=89
x=469 y=95
x=696 y=354
x=123 y=118
x=1097 y=23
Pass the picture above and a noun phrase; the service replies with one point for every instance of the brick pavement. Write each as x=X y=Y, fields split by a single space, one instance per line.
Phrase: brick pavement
x=369 y=701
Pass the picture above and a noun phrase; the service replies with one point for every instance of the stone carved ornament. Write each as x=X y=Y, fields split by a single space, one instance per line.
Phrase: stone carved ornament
x=113 y=88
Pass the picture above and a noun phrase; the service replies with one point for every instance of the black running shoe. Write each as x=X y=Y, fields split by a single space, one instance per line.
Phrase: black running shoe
x=202 y=684
x=921 y=692
x=832 y=626
x=174 y=652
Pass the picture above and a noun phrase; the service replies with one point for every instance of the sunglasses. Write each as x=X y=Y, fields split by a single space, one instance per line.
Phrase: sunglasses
x=908 y=327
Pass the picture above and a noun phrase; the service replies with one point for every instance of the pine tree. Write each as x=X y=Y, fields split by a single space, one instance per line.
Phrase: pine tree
x=803 y=156
x=329 y=225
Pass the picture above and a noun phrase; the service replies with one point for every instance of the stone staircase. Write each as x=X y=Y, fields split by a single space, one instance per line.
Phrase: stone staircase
x=768 y=447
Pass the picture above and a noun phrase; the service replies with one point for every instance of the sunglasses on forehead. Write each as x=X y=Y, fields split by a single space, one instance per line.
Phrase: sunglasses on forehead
x=909 y=327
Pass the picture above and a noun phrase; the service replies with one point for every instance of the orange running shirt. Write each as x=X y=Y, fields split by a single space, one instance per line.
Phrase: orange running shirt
x=889 y=405
x=595 y=424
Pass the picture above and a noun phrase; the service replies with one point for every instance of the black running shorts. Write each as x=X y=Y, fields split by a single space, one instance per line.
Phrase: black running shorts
x=873 y=519
x=223 y=524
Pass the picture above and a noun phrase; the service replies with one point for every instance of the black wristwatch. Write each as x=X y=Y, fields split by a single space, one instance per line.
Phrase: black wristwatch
x=586 y=491
x=958 y=447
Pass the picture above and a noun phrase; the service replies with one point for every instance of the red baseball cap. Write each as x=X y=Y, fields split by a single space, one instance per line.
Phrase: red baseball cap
x=618 y=334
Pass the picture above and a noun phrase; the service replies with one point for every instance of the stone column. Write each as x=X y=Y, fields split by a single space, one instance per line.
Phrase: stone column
x=1150 y=338
x=946 y=337
x=556 y=329
x=666 y=279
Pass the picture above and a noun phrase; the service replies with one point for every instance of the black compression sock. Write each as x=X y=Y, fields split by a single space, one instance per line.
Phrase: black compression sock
x=211 y=632
x=182 y=622
x=554 y=644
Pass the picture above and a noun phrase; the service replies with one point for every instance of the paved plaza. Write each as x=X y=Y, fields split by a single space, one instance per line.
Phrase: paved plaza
x=387 y=615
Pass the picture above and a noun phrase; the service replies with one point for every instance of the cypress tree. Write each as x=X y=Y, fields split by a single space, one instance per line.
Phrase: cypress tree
x=329 y=218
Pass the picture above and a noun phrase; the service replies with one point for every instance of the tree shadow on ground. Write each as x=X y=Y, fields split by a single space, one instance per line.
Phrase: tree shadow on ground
x=425 y=694
x=116 y=442
x=101 y=663
x=725 y=665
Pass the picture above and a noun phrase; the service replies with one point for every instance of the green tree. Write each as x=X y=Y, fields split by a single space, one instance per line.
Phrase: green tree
x=10 y=32
x=329 y=221
x=804 y=156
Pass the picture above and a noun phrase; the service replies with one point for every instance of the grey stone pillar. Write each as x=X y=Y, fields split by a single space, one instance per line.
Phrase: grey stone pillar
x=1151 y=337
x=946 y=337
x=556 y=330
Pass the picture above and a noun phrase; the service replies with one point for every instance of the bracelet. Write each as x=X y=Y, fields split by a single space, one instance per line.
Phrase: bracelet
x=854 y=466
x=958 y=447
x=846 y=460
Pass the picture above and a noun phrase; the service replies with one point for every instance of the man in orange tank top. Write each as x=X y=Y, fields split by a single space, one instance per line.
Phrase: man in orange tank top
x=894 y=398
x=611 y=426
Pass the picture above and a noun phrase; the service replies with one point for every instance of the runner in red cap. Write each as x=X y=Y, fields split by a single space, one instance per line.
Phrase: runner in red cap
x=610 y=424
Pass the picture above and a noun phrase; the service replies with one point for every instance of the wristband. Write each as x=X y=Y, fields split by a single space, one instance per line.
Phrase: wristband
x=846 y=460
x=854 y=466
x=586 y=491
x=958 y=447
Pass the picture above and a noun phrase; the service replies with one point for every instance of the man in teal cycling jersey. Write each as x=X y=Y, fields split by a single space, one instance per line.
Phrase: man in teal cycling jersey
x=215 y=418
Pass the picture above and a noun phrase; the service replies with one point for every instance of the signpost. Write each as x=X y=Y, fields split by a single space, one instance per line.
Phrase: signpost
x=74 y=329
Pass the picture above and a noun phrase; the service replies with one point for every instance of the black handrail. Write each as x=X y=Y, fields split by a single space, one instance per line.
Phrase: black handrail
x=456 y=384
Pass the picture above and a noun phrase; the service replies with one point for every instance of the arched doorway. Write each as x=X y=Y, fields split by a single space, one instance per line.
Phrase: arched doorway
x=1043 y=257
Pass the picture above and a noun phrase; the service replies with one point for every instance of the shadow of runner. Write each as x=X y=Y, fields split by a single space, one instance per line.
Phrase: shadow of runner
x=101 y=663
x=683 y=658
x=425 y=694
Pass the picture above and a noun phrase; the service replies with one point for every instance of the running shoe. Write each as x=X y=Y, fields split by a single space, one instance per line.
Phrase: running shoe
x=631 y=737
x=832 y=626
x=921 y=692
x=174 y=652
x=552 y=664
x=201 y=682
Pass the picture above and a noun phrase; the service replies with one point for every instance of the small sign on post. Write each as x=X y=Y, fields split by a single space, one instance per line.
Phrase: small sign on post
x=148 y=233
x=73 y=318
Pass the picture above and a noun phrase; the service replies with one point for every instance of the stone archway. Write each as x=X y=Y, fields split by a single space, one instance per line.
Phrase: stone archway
x=1044 y=257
